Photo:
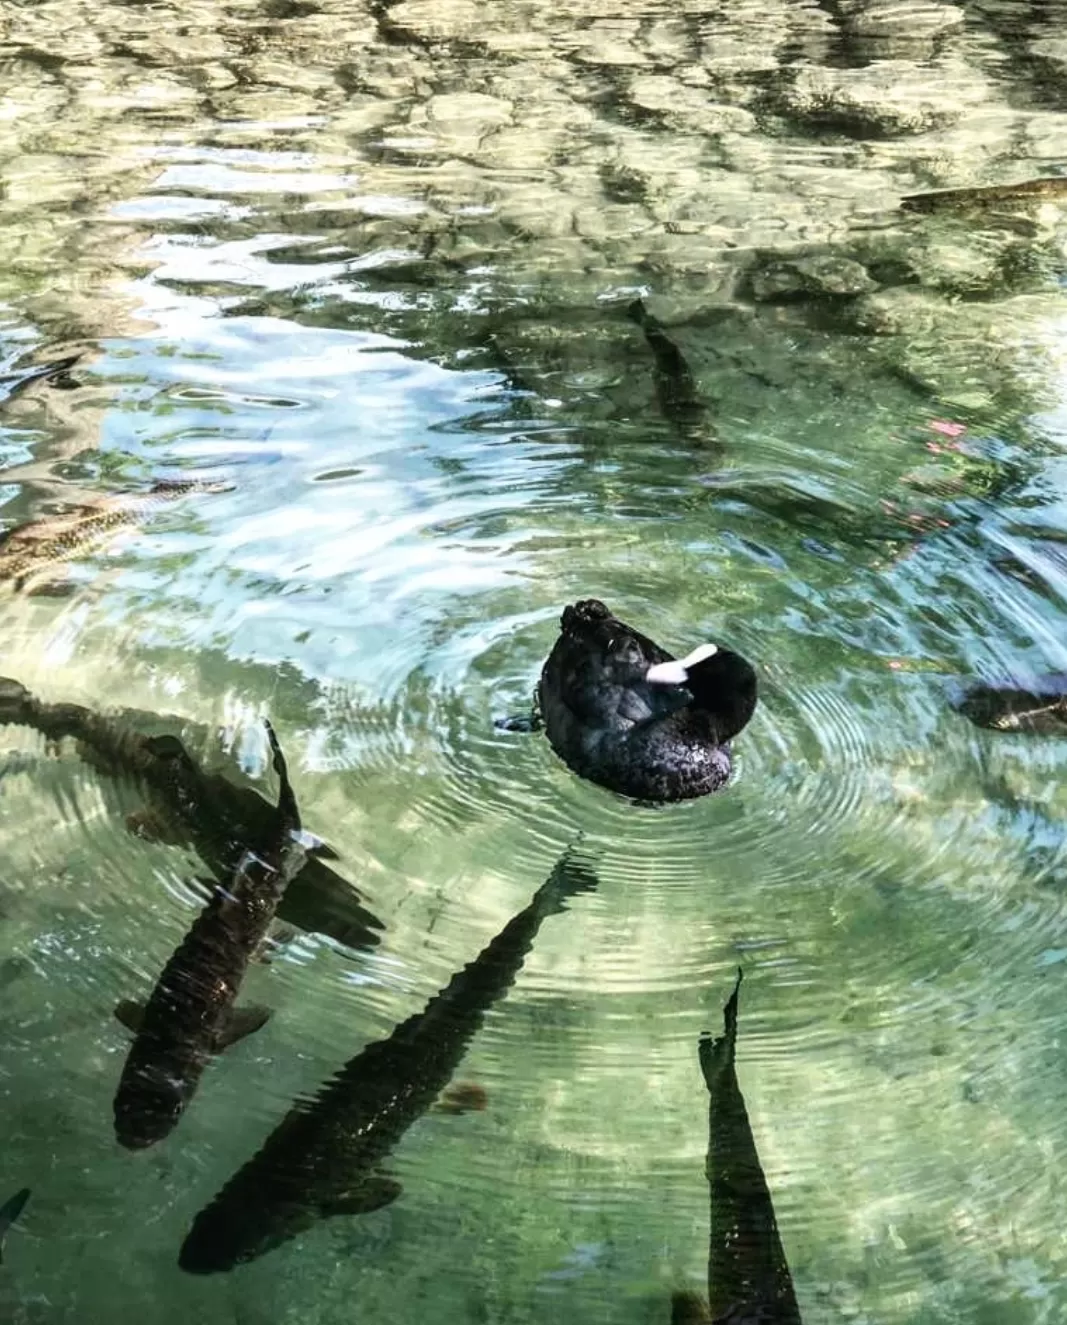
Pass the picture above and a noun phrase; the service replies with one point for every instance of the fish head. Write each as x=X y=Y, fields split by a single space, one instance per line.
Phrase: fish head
x=271 y=1204
x=148 y=1109
x=230 y=1232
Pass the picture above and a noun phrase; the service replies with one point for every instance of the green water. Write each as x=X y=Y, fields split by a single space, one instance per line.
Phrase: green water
x=370 y=264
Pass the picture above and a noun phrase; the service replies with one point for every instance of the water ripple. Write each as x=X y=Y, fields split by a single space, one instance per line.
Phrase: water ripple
x=371 y=267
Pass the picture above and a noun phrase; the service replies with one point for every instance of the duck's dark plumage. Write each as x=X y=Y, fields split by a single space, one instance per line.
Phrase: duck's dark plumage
x=649 y=740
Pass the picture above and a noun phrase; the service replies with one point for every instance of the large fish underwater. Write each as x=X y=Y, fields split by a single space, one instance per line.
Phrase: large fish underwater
x=1039 y=708
x=748 y=1276
x=215 y=815
x=676 y=390
x=191 y=1012
x=326 y=1156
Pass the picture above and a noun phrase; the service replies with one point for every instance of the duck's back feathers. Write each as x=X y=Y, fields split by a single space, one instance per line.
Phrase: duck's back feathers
x=596 y=671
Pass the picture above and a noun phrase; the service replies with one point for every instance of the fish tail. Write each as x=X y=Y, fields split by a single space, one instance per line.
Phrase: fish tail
x=287 y=806
x=715 y=1054
x=573 y=873
x=9 y=1212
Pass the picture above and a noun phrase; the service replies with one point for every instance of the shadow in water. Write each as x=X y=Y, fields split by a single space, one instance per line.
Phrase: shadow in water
x=676 y=389
x=205 y=809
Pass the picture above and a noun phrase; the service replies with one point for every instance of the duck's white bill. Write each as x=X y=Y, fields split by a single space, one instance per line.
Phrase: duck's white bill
x=667 y=674
x=700 y=654
x=676 y=672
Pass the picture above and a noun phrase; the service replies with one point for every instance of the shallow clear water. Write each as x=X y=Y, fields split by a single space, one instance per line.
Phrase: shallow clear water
x=371 y=265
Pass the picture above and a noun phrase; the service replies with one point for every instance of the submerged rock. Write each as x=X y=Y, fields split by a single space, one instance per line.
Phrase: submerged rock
x=910 y=19
x=894 y=313
x=689 y=107
x=955 y=265
x=885 y=99
x=816 y=274
x=1052 y=50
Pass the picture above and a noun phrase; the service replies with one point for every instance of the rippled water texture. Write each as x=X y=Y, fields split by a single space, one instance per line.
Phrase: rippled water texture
x=366 y=269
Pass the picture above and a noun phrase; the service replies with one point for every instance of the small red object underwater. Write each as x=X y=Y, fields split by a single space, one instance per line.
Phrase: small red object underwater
x=946 y=428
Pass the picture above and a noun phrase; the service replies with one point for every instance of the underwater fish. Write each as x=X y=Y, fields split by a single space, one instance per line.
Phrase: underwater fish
x=191 y=1013
x=1041 y=710
x=57 y=372
x=676 y=390
x=29 y=550
x=217 y=817
x=324 y=1158
x=817 y=515
x=748 y=1276
x=9 y=1212
x=984 y=195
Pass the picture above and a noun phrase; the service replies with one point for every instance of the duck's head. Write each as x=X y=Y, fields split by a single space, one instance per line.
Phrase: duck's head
x=722 y=683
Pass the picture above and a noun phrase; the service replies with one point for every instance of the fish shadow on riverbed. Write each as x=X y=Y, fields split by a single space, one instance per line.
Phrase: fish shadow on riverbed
x=326 y=1156
x=749 y=1282
x=215 y=815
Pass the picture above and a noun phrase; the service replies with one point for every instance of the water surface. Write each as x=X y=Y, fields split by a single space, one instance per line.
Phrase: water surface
x=371 y=265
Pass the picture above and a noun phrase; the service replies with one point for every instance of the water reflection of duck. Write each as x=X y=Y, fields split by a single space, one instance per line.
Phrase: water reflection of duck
x=624 y=713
